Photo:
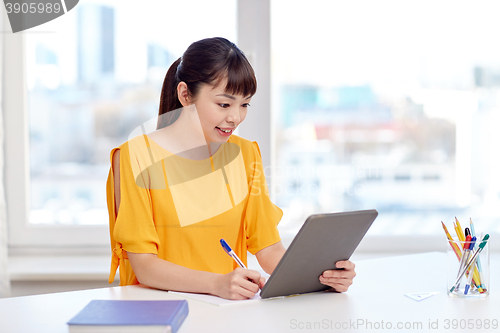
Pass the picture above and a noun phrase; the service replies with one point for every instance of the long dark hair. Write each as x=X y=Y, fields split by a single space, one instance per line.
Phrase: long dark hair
x=209 y=61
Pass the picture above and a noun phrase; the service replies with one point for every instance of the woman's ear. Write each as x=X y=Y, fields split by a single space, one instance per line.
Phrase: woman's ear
x=183 y=94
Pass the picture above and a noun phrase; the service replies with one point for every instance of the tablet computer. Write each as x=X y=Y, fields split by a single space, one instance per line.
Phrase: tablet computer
x=323 y=240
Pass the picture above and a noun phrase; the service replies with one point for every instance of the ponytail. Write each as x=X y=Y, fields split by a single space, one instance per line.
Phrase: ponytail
x=169 y=100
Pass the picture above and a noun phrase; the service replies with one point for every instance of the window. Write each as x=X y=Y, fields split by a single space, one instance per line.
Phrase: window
x=92 y=76
x=389 y=105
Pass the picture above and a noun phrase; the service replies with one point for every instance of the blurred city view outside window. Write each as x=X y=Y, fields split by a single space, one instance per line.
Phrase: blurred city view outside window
x=93 y=76
x=392 y=105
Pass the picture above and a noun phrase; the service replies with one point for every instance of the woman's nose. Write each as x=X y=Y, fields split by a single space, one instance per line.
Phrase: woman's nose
x=233 y=116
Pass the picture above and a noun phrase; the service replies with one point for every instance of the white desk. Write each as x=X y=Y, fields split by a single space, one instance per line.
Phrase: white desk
x=376 y=296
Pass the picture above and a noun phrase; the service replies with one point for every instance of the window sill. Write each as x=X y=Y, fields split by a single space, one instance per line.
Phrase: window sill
x=59 y=268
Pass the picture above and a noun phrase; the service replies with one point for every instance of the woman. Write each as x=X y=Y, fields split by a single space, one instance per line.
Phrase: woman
x=174 y=193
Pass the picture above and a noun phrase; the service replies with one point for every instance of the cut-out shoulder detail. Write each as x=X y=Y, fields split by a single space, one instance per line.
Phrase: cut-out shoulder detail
x=116 y=178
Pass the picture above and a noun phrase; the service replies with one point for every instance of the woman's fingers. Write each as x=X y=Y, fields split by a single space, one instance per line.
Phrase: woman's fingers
x=340 y=279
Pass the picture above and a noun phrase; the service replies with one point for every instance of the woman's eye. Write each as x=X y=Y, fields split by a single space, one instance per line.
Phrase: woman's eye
x=223 y=105
x=245 y=105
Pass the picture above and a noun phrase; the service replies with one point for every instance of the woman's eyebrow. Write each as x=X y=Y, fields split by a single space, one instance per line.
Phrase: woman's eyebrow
x=231 y=96
x=227 y=95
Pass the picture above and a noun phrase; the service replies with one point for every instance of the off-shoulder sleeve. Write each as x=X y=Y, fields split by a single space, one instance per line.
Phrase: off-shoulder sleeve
x=133 y=228
x=262 y=216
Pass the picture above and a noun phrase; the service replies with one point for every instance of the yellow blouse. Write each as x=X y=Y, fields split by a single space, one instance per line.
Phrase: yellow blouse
x=179 y=209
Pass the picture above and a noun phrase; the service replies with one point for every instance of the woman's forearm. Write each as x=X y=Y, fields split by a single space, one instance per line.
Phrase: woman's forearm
x=270 y=256
x=161 y=274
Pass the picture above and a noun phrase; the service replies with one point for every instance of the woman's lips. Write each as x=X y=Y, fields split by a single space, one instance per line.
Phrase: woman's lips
x=225 y=131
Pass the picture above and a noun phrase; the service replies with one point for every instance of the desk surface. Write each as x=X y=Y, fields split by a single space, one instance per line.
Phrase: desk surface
x=376 y=298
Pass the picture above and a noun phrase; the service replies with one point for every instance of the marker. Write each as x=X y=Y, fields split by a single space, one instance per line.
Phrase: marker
x=231 y=253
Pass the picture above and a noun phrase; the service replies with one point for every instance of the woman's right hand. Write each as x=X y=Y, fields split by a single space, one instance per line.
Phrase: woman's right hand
x=239 y=284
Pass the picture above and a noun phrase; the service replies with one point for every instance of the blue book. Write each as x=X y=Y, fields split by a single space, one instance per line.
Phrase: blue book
x=130 y=316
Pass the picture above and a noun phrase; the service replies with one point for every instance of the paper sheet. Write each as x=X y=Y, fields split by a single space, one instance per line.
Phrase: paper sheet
x=215 y=300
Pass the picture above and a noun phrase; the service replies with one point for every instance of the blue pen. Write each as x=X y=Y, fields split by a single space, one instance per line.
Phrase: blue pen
x=231 y=253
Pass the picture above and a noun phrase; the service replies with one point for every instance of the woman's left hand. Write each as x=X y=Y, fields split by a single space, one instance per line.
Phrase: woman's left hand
x=341 y=279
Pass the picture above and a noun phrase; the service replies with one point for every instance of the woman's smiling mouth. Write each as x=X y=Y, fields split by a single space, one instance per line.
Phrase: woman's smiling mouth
x=225 y=131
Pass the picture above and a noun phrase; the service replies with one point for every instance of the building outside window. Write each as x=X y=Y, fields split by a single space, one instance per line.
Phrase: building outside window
x=389 y=105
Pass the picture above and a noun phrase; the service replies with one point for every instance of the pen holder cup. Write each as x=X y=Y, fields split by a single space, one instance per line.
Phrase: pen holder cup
x=460 y=283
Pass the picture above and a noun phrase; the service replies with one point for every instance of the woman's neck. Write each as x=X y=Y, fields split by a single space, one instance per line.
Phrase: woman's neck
x=185 y=137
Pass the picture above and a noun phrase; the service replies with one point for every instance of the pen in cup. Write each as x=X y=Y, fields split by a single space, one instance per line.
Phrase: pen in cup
x=469 y=278
x=478 y=261
x=465 y=257
x=470 y=248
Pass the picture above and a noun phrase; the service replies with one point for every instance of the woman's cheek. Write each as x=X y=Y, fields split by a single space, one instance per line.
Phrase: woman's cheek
x=243 y=115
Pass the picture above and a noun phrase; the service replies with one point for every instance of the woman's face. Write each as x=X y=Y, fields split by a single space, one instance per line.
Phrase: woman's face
x=220 y=112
